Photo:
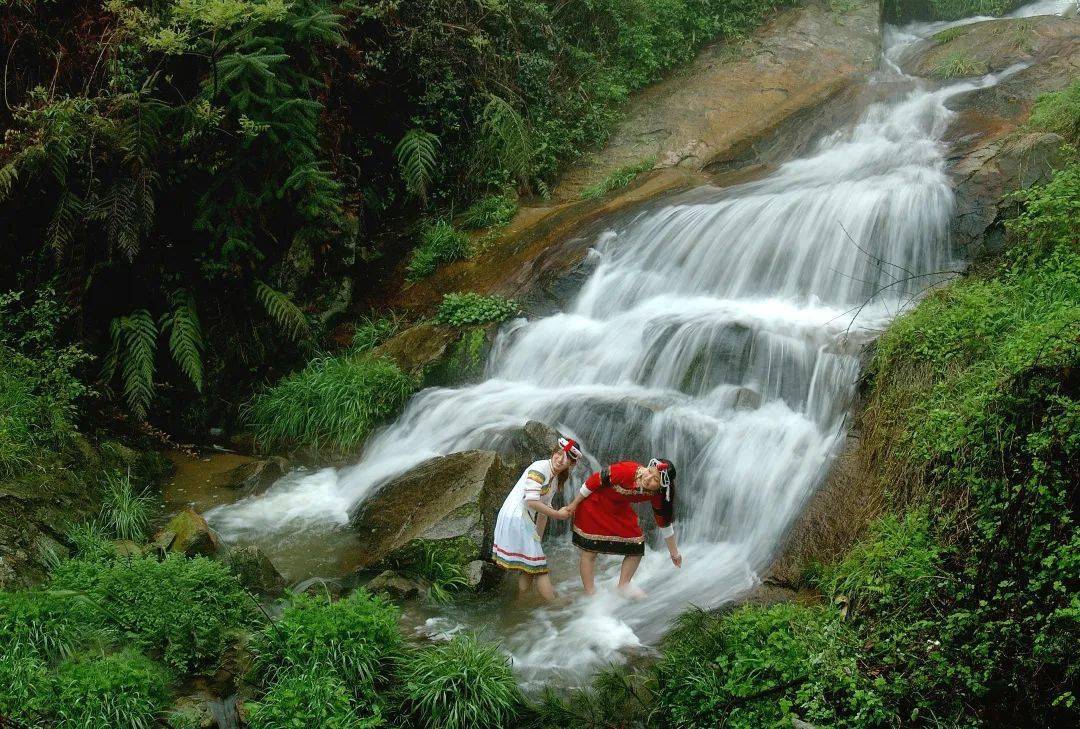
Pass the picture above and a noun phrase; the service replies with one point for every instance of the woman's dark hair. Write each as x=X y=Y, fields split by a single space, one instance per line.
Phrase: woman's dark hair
x=667 y=506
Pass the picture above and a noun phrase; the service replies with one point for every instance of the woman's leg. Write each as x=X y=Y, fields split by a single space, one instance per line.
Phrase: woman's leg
x=587 y=567
x=629 y=567
x=544 y=587
x=524 y=583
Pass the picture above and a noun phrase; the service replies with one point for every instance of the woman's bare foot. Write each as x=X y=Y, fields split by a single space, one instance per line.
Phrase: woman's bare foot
x=632 y=593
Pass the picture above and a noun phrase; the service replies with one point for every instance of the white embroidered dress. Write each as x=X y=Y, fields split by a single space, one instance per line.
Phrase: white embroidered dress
x=517 y=545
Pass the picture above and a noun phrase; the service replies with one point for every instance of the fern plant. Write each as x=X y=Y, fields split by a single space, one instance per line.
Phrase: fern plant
x=282 y=309
x=134 y=347
x=185 y=337
x=505 y=138
x=417 y=155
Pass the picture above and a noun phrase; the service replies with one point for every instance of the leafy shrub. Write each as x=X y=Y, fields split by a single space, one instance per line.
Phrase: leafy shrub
x=951 y=34
x=370 y=332
x=352 y=638
x=440 y=243
x=491 y=211
x=39 y=386
x=459 y=685
x=188 y=609
x=618 y=179
x=442 y=563
x=331 y=405
x=469 y=308
x=123 y=689
x=89 y=542
x=25 y=683
x=1059 y=112
x=46 y=625
x=958 y=65
x=125 y=513
x=310 y=698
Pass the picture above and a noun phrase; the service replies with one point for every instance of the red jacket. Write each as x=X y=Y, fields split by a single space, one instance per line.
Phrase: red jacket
x=607 y=513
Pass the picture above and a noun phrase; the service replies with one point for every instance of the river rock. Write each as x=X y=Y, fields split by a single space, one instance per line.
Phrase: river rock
x=417 y=348
x=522 y=446
x=992 y=45
x=446 y=497
x=254 y=477
x=254 y=569
x=396 y=586
x=188 y=533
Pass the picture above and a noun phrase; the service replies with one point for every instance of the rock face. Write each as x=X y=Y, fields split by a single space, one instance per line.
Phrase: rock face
x=732 y=96
x=254 y=477
x=991 y=46
x=988 y=159
x=446 y=497
x=254 y=569
x=188 y=533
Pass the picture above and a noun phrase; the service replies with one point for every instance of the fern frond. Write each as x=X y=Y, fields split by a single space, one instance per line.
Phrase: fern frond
x=9 y=175
x=417 y=156
x=135 y=341
x=506 y=136
x=61 y=229
x=185 y=337
x=282 y=310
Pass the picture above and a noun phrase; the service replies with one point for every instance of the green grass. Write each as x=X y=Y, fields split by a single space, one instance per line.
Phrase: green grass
x=442 y=563
x=618 y=179
x=1059 y=112
x=490 y=212
x=951 y=34
x=462 y=684
x=371 y=332
x=329 y=406
x=310 y=698
x=123 y=689
x=959 y=65
x=440 y=243
x=125 y=513
x=470 y=308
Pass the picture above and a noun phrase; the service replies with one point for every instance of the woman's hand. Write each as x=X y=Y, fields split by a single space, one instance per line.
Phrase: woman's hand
x=564 y=513
x=676 y=559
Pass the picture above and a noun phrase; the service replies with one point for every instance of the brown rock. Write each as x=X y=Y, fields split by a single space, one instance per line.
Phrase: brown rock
x=418 y=347
x=254 y=569
x=254 y=477
x=396 y=586
x=188 y=533
x=446 y=497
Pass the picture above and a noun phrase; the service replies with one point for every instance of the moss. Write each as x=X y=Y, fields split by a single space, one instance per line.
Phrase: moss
x=464 y=360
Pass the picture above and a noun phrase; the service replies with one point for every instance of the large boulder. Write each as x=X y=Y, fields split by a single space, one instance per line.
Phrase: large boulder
x=254 y=477
x=446 y=497
x=254 y=569
x=188 y=533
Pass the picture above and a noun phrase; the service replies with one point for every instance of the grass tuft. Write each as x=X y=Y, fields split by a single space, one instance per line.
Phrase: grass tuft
x=490 y=212
x=618 y=179
x=959 y=65
x=440 y=243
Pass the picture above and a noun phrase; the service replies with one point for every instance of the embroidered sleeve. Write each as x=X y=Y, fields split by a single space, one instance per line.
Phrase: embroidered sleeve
x=534 y=483
x=592 y=483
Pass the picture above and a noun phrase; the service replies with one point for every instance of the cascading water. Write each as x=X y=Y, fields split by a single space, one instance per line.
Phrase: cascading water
x=719 y=330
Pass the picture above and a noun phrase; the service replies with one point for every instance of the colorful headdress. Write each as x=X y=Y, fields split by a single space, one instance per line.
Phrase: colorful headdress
x=569 y=446
x=667 y=473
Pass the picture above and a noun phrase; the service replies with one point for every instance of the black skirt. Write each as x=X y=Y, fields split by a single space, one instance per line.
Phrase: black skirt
x=609 y=546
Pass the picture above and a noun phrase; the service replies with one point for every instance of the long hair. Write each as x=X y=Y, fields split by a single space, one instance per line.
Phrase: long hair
x=667 y=505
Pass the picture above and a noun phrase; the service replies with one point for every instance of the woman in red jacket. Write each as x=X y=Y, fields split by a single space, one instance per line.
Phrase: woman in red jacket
x=605 y=521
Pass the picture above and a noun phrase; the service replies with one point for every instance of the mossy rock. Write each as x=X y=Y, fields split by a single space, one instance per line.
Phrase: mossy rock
x=464 y=360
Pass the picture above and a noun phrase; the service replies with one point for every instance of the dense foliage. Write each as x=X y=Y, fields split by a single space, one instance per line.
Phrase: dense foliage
x=470 y=308
x=201 y=176
x=905 y=11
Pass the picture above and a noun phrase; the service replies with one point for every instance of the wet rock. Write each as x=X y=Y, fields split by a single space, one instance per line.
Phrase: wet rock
x=254 y=477
x=396 y=586
x=446 y=497
x=522 y=446
x=127 y=548
x=988 y=175
x=195 y=710
x=990 y=46
x=797 y=723
x=482 y=575
x=48 y=551
x=320 y=586
x=747 y=399
x=254 y=569
x=188 y=533
x=417 y=348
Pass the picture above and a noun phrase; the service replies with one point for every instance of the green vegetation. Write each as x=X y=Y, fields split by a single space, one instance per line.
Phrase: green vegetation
x=311 y=698
x=331 y=405
x=617 y=180
x=459 y=685
x=371 y=332
x=958 y=65
x=185 y=609
x=951 y=34
x=440 y=243
x=905 y=11
x=1059 y=112
x=469 y=308
x=202 y=176
x=124 y=512
x=122 y=689
x=490 y=212
x=441 y=563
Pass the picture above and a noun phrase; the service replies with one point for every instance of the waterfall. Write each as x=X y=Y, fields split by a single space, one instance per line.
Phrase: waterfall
x=719 y=329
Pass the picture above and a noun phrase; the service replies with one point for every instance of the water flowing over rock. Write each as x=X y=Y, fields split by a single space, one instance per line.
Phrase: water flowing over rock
x=770 y=287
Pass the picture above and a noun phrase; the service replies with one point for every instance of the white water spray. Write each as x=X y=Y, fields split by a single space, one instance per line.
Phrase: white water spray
x=719 y=330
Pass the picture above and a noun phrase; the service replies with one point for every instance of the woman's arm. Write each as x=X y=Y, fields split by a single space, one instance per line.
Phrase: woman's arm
x=541 y=525
x=541 y=508
x=673 y=549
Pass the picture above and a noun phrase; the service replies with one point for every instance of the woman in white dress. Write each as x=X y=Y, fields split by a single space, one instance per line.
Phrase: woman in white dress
x=524 y=517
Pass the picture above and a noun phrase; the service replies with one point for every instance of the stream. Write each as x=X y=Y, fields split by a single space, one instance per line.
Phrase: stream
x=721 y=329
